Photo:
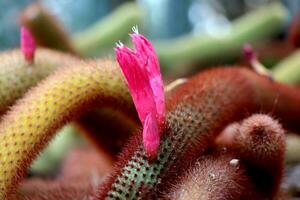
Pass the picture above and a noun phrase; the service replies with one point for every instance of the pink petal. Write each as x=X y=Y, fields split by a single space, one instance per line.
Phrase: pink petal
x=142 y=72
x=28 y=45
x=249 y=53
x=145 y=49
x=255 y=63
x=151 y=137
x=148 y=59
x=138 y=82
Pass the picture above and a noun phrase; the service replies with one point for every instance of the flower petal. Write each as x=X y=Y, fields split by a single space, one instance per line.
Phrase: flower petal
x=142 y=72
x=151 y=136
x=137 y=80
x=148 y=59
x=257 y=66
x=28 y=45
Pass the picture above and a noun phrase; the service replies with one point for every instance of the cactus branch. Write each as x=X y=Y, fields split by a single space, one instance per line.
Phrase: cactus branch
x=17 y=75
x=62 y=97
x=197 y=111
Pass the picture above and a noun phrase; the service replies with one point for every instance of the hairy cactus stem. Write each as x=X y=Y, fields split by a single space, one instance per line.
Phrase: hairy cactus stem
x=17 y=75
x=60 y=98
x=217 y=176
x=260 y=143
x=197 y=111
x=39 y=189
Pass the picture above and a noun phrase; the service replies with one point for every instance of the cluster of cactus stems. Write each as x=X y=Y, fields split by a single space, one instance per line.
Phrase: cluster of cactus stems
x=176 y=145
x=100 y=38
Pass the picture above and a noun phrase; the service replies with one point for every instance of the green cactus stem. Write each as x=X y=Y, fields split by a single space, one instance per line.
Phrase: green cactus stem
x=101 y=36
x=206 y=50
x=288 y=70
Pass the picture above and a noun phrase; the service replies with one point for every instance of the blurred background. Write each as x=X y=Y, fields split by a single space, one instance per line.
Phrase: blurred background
x=163 y=18
x=189 y=35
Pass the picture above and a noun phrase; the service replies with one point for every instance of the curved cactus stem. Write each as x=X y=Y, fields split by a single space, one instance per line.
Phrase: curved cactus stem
x=60 y=98
x=214 y=177
x=288 y=70
x=17 y=75
x=38 y=189
x=197 y=111
x=259 y=142
x=207 y=50
x=100 y=38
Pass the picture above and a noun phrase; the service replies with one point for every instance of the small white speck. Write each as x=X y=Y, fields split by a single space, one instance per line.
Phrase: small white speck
x=213 y=176
x=119 y=44
x=135 y=29
x=234 y=162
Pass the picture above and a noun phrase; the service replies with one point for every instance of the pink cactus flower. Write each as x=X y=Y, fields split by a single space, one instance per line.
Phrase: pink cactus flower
x=28 y=45
x=142 y=72
x=149 y=62
x=138 y=82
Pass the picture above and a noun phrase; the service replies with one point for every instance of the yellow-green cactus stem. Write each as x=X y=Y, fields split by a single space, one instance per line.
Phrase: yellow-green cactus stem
x=207 y=50
x=17 y=75
x=62 y=97
x=288 y=70
x=101 y=36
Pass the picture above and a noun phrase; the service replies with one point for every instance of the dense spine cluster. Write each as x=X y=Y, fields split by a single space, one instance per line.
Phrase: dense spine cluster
x=218 y=176
x=250 y=167
x=260 y=143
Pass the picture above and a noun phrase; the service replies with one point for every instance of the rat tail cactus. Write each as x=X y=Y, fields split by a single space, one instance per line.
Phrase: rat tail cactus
x=197 y=111
x=217 y=176
x=20 y=70
x=259 y=141
x=250 y=167
x=30 y=124
x=174 y=134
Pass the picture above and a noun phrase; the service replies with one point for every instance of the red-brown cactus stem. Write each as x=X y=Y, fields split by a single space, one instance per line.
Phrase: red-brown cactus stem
x=38 y=189
x=197 y=111
x=294 y=31
x=218 y=176
x=17 y=75
x=260 y=143
x=60 y=98
x=99 y=121
x=103 y=121
x=47 y=31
